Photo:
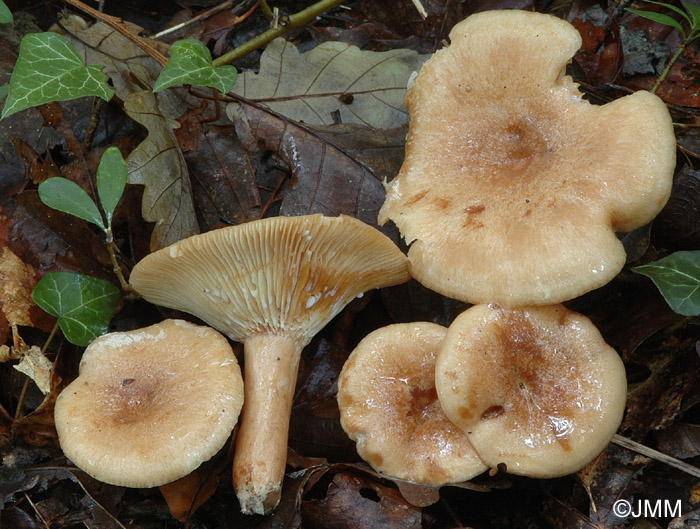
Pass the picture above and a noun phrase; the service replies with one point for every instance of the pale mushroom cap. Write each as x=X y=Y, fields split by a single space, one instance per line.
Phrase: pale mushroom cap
x=150 y=405
x=513 y=186
x=282 y=275
x=389 y=407
x=537 y=389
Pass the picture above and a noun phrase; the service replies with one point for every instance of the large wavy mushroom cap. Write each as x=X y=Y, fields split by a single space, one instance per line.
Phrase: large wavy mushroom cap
x=389 y=407
x=150 y=405
x=513 y=186
x=537 y=388
x=273 y=284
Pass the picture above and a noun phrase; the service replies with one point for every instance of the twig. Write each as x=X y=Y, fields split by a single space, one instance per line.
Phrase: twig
x=656 y=455
x=201 y=16
x=117 y=24
x=296 y=20
x=421 y=9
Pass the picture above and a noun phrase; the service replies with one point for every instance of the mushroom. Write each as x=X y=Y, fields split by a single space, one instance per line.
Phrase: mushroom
x=150 y=405
x=272 y=284
x=389 y=407
x=513 y=186
x=537 y=389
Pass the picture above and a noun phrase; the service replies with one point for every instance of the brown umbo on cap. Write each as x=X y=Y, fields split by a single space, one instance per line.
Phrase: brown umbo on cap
x=150 y=405
x=537 y=388
x=272 y=284
x=389 y=407
x=513 y=186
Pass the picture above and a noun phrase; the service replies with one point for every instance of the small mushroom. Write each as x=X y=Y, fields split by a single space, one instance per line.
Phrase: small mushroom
x=389 y=407
x=272 y=284
x=513 y=186
x=150 y=405
x=536 y=389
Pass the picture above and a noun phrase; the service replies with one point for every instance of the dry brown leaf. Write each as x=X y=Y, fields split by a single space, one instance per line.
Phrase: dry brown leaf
x=187 y=494
x=158 y=164
x=17 y=280
x=331 y=177
x=332 y=83
x=36 y=366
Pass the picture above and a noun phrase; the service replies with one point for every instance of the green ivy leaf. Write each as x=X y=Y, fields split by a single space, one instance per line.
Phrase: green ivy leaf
x=660 y=18
x=5 y=14
x=50 y=69
x=190 y=63
x=84 y=305
x=67 y=196
x=111 y=179
x=678 y=279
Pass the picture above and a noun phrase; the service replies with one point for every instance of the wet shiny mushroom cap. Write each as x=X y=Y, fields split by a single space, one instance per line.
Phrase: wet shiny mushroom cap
x=513 y=185
x=282 y=275
x=389 y=407
x=537 y=388
x=150 y=405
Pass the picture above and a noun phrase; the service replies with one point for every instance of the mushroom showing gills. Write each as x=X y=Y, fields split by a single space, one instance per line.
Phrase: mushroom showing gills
x=389 y=407
x=150 y=405
x=513 y=186
x=537 y=389
x=272 y=284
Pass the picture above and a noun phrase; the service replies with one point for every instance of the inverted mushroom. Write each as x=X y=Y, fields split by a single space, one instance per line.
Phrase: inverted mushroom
x=272 y=284
x=150 y=405
x=537 y=388
x=389 y=407
x=513 y=186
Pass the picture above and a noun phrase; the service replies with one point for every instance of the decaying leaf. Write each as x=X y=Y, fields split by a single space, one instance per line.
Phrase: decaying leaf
x=37 y=367
x=17 y=280
x=353 y=501
x=222 y=179
x=158 y=164
x=333 y=83
x=329 y=179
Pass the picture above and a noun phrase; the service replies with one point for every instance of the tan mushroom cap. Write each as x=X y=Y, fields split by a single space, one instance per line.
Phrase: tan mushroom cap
x=513 y=186
x=150 y=405
x=537 y=389
x=389 y=407
x=282 y=275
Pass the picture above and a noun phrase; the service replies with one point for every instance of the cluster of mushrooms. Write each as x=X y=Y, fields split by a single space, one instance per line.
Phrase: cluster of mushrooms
x=531 y=192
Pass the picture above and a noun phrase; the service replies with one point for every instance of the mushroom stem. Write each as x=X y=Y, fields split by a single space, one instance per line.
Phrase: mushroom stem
x=271 y=364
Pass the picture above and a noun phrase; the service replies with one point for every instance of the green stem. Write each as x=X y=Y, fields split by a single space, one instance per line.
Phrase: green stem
x=266 y=9
x=111 y=249
x=296 y=20
x=670 y=64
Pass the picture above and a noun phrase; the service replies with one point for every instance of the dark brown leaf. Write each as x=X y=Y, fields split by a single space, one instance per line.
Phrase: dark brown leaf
x=352 y=501
x=222 y=180
x=678 y=224
x=681 y=440
x=330 y=175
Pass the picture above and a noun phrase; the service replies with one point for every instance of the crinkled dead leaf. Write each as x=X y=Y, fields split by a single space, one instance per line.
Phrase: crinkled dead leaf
x=158 y=164
x=333 y=83
x=37 y=367
x=331 y=176
x=17 y=280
